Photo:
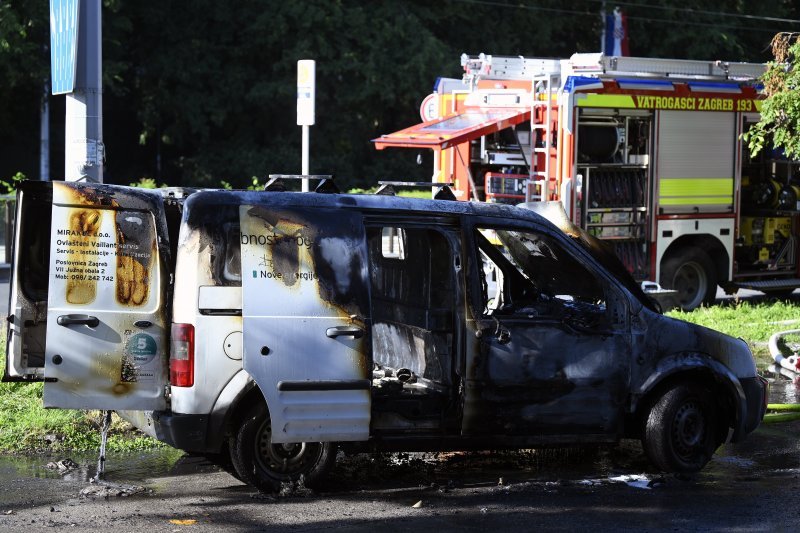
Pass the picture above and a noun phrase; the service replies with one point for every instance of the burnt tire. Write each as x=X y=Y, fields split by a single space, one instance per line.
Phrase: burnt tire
x=222 y=460
x=265 y=465
x=680 y=433
x=691 y=272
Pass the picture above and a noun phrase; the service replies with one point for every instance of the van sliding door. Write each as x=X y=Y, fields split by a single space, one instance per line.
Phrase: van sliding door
x=306 y=320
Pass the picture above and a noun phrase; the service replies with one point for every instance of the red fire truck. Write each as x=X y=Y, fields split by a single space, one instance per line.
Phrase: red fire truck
x=643 y=153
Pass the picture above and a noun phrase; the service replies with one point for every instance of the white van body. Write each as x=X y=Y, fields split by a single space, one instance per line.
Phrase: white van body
x=266 y=329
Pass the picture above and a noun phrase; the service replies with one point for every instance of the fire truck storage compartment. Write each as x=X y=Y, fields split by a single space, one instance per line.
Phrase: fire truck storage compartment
x=770 y=221
x=509 y=147
x=505 y=188
x=613 y=165
x=600 y=139
x=502 y=159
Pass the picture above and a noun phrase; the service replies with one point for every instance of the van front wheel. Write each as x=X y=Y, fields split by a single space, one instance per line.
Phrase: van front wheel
x=265 y=464
x=680 y=434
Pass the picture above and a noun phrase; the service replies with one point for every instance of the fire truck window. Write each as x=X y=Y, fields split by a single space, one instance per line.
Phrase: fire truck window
x=530 y=274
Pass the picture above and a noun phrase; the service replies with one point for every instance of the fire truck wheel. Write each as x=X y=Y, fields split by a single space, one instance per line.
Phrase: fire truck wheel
x=679 y=434
x=266 y=465
x=690 y=272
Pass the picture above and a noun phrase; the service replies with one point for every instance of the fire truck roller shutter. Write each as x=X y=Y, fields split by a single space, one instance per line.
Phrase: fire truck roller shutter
x=696 y=154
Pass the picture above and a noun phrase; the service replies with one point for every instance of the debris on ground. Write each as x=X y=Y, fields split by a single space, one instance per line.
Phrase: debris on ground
x=64 y=465
x=636 y=480
x=184 y=522
x=295 y=488
x=110 y=490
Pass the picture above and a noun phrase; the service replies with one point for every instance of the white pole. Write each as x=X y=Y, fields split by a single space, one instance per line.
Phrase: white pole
x=306 y=88
x=603 y=25
x=305 y=172
x=83 y=130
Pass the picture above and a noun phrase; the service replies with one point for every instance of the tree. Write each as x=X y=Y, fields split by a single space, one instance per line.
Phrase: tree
x=23 y=71
x=779 y=126
x=196 y=93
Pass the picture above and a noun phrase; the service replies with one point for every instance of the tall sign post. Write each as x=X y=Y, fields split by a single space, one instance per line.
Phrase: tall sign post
x=306 y=81
x=76 y=70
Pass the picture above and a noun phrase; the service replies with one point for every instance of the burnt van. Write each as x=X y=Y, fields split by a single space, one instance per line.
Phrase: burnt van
x=270 y=329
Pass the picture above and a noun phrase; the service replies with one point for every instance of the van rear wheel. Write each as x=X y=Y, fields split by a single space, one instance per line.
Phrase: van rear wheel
x=265 y=464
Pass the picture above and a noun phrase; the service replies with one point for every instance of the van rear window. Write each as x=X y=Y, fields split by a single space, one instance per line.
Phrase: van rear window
x=232 y=265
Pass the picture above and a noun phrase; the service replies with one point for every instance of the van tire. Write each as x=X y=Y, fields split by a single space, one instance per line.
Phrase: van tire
x=223 y=461
x=680 y=434
x=266 y=466
x=691 y=272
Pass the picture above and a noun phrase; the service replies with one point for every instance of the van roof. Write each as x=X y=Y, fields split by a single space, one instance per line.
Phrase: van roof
x=379 y=203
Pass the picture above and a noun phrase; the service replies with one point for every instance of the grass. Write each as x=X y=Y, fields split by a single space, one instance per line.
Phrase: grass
x=753 y=322
x=25 y=426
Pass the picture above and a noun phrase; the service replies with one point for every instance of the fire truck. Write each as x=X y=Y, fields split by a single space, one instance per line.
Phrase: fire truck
x=643 y=153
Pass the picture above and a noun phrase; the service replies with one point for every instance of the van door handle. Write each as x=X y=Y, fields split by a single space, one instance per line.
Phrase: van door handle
x=344 y=331
x=71 y=320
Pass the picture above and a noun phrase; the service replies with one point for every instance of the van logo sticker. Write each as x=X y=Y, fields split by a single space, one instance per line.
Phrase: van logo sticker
x=140 y=351
x=142 y=347
x=283 y=252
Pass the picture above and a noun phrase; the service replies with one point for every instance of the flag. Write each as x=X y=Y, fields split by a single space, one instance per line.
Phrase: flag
x=616 y=34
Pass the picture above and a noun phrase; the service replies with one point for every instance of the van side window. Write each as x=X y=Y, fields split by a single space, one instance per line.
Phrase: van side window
x=530 y=274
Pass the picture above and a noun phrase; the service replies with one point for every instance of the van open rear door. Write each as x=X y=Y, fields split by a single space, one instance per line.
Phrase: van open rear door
x=88 y=290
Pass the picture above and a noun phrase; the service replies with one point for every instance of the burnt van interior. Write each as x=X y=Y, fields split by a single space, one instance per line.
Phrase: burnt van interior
x=28 y=314
x=412 y=281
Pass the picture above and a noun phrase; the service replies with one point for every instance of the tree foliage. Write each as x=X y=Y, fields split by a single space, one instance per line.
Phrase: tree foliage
x=204 y=92
x=780 y=112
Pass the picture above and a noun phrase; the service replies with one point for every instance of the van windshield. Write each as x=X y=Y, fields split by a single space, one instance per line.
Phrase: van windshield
x=554 y=212
x=549 y=268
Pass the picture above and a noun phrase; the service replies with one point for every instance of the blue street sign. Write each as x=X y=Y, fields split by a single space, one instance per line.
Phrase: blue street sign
x=63 y=44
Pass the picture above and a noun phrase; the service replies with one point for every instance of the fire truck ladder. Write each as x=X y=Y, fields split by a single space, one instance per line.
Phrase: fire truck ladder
x=545 y=88
x=602 y=65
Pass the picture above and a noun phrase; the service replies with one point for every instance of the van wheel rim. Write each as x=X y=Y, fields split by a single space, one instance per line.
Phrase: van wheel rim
x=289 y=459
x=688 y=430
x=691 y=282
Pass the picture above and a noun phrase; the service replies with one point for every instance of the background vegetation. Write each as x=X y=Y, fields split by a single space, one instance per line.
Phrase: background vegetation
x=200 y=92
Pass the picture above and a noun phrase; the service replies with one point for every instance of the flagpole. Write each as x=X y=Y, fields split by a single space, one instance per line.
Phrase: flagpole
x=603 y=25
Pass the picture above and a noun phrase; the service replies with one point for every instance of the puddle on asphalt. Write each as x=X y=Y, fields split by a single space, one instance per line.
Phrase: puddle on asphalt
x=783 y=389
x=129 y=467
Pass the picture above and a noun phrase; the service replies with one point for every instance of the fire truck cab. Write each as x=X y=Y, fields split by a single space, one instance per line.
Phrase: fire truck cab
x=645 y=154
